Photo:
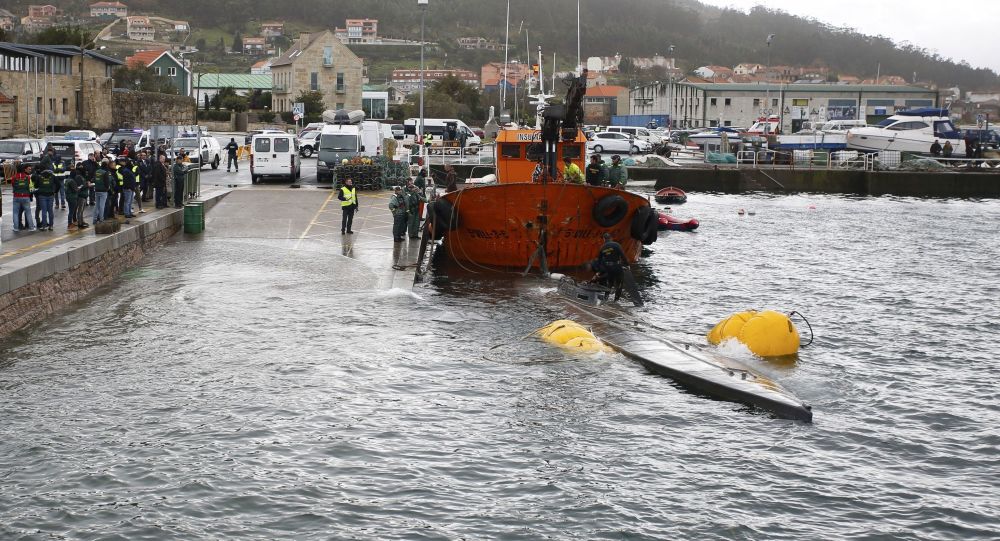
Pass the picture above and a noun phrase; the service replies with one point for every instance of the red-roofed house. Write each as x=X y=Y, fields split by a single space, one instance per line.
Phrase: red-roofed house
x=42 y=12
x=108 y=9
x=602 y=102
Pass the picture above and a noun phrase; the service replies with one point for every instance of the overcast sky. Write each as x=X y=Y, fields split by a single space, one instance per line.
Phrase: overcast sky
x=968 y=30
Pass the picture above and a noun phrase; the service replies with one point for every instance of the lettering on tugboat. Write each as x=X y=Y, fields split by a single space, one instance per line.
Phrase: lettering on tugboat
x=489 y=234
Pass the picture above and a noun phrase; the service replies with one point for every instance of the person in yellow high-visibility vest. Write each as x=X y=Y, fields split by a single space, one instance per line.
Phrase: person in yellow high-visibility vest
x=348 y=196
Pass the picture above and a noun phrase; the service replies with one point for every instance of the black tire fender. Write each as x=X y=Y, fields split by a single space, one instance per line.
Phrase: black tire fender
x=652 y=232
x=444 y=213
x=610 y=210
x=640 y=222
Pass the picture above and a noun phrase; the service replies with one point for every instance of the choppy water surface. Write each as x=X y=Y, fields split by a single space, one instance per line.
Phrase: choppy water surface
x=225 y=390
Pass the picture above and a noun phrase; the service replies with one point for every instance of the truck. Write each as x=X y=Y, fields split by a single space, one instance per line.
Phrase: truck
x=345 y=136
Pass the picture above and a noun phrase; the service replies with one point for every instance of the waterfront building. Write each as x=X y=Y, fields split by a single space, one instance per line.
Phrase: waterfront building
x=165 y=64
x=697 y=105
x=44 y=84
x=408 y=80
x=318 y=62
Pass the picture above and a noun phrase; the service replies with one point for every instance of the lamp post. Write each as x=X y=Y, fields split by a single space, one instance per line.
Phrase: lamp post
x=420 y=133
x=767 y=93
x=670 y=92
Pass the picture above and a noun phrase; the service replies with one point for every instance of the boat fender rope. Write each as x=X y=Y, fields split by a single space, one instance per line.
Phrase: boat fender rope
x=811 y=335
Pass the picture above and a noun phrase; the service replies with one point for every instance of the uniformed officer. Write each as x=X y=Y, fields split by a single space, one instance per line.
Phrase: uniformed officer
x=180 y=171
x=617 y=173
x=348 y=196
x=45 y=190
x=102 y=185
x=397 y=204
x=413 y=197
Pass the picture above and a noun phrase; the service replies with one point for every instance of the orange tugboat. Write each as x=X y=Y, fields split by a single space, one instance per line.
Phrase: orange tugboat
x=545 y=222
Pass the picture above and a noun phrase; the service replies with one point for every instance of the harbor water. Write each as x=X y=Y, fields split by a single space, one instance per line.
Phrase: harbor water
x=235 y=388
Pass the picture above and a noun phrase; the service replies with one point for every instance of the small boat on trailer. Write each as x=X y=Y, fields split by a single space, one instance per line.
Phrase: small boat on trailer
x=671 y=196
x=668 y=222
x=694 y=368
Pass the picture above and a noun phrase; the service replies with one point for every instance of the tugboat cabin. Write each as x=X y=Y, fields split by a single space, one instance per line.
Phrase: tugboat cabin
x=519 y=151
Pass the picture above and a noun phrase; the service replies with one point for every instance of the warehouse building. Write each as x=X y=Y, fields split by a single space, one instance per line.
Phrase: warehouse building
x=698 y=105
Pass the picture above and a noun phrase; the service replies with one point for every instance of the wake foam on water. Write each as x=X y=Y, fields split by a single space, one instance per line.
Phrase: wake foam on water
x=398 y=293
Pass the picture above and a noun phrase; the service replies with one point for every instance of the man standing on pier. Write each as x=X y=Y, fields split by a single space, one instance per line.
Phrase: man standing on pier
x=935 y=148
x=413 y=200
x=180 y=172
x=232 y=148
x=348 y=196
x=397 y=204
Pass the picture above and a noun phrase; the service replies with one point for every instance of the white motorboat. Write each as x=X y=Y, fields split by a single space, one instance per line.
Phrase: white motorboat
x=831 y=135
x=713 y=136
x=908 y=131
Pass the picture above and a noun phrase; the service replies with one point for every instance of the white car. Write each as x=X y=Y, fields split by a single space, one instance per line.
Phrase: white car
x=617 y=142
x=309 y=143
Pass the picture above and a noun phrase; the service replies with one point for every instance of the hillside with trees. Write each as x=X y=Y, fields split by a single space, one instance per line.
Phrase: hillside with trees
x=702 y=35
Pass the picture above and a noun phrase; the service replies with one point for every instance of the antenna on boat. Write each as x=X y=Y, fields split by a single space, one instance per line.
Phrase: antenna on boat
x=506 y=62
x=541 y=99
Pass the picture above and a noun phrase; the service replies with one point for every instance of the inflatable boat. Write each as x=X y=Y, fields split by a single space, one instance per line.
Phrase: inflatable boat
x=668 y=222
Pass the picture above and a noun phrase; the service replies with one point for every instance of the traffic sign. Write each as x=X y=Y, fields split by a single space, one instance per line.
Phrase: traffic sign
x=299 y=108
x=979 y=120
x=297 y=117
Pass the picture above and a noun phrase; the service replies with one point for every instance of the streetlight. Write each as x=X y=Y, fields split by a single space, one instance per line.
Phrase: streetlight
x=422 y=4
x=767 y=92
x=670 y=91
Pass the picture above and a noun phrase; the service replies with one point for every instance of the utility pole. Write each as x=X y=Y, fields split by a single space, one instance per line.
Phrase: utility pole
x=767 y=93
x=423 y=12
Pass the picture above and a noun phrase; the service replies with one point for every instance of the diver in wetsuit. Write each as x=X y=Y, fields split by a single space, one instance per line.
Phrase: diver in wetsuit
x=610 y=265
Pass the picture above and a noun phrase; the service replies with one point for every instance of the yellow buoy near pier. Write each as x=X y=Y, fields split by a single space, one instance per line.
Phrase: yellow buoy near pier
x=572 y=336
x=767 y=333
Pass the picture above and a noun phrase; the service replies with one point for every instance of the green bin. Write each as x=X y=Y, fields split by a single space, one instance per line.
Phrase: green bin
x=194 y=217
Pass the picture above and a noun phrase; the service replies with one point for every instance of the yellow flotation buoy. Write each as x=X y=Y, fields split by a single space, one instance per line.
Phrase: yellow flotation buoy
x=571 y=335
x=730 y=327
x=767 y=333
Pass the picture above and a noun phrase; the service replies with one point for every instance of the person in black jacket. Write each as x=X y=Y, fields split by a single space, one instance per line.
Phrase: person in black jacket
x=90 y=167
x=232 y=148
x=127 y=189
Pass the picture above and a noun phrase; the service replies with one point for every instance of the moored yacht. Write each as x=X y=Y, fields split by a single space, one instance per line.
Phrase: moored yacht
x=908 y=131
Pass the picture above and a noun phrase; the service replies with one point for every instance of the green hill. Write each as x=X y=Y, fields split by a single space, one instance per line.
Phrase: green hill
x=702 y=35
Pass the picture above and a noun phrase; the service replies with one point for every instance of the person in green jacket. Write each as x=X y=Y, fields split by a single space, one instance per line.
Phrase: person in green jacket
x=413 y=197
x=397 y=204
x=617 y=173
x=102 y=185
x=45 y=191
x=77 y=189
x=180 y=171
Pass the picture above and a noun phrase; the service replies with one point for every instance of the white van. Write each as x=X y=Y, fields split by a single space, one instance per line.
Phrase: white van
x=438 y=126
x=637 y=132
x=274 y=155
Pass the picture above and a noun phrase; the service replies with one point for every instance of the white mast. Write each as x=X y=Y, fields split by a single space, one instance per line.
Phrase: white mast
x=579 y=65
x=506 y=49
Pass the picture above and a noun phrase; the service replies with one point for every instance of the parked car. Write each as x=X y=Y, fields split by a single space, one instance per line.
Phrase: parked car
x=479 y=132
x=617 y=142
x=398 y=131
x=309 y=143
x=200 y=150
x=989 y=138
x=25 y=150
x=103 y=139
x=637 y=132
x=274 y=155
x=83 y=135
x=73 y=151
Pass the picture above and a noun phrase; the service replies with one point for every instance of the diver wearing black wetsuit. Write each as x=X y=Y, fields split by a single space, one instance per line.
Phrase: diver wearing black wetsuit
x=610 y=263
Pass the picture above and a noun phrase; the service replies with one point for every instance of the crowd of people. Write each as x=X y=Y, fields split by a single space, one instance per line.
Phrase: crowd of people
x=597 y=173
x=113 y=186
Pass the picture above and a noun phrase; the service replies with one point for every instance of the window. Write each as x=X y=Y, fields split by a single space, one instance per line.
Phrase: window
x=573 y=152
x=756 y=102
x=510 y=151
x=340 y=105
x=157 y=70
x=328 y=56
x=281 y=144
x=774 y=102
x=172 y=72
x=340 y=82
x=52 y=105
x=728 y=123
x=713 y=123
x=65 y=103
x=712 y=101
x=262 y=145
x=314 y=81
x=800 y=102
x=729 y=102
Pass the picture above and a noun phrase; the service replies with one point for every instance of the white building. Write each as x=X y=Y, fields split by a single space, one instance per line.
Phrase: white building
x=140 y=29
x=109 y=9
x=698 y=105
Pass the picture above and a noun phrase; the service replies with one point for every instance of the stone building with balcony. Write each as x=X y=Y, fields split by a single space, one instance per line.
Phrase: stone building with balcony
x=140 y=29
x=318 y=62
